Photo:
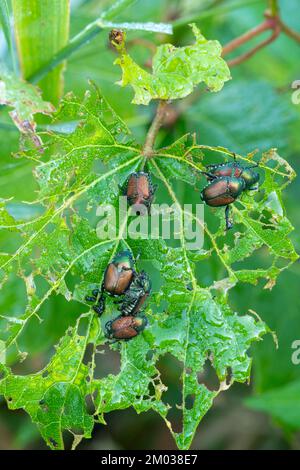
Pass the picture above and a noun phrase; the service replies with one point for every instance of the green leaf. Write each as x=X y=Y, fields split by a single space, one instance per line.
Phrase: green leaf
x=4 y=20
x=55 y=397
x=261 y=221
x=176 y=71
x=42 y=29
x=92 y=29
x=116 y=8
x=188 y=318
x=244 y=124
x=26 y=101
x=281 y=403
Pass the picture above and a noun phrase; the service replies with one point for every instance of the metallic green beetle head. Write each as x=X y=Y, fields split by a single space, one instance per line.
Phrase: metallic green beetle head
x=123 y=259
x=236 y=186
x=250 y=177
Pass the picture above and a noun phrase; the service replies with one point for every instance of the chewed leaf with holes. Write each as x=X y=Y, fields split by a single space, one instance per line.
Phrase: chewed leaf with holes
x=79 y=171
x=188 y=317
x=176 y=70
x=55 y=397
x=259 y=216
x=25 y=99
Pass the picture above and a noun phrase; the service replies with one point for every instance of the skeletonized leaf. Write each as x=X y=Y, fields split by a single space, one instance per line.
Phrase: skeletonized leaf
x=55 y=397
x=25 y=99
x=188 y=319
x=176 y=71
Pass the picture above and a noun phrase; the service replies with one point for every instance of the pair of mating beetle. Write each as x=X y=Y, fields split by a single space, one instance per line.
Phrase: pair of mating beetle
x=131 y=290
x=227 y=181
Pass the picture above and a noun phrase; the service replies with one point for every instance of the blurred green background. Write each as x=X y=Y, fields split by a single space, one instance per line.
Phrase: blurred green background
x=253 y=111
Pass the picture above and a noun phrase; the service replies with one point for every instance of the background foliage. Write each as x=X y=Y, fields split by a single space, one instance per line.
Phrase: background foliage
x=230 y=119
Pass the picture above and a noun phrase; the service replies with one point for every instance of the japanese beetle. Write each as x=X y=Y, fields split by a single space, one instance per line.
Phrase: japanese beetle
x=125 y=328
x=140 y=190
x=119 y=274
x=117 y=279
x=136 y=295
x=234 y=169
x=223 y=191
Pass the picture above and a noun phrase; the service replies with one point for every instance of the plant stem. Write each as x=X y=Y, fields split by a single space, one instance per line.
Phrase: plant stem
x=154 y=128
x=75 y=43
x=271 y=22
x=117 y=7
x=41 y=30
x=7 y=31
x=290 y=32
x=237 y=42
x=86 y=35
x=242 y=58
x=274 y=9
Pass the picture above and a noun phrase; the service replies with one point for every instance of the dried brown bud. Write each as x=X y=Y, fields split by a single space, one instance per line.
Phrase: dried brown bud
x=116 y=37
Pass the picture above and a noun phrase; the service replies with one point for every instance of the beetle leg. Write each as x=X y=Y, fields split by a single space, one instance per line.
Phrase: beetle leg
x=108 y=325
x=229 y=224
x=112 y=341
x=210 y=175
x=90 y=299
x=95 y=292
x=99 y=308
x=253 y=189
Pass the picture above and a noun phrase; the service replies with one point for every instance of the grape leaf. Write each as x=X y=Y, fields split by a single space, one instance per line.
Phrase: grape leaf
x=54 y=398
x=176 y=71
x=187 y=318
x=260 y=218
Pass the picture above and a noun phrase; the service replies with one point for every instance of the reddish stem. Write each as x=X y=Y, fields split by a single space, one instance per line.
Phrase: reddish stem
x=232 y=45
x=290 y=32
x=247 y=55
x=271 y=23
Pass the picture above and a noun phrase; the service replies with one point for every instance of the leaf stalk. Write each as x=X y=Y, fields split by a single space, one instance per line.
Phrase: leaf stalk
x=154 y=128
